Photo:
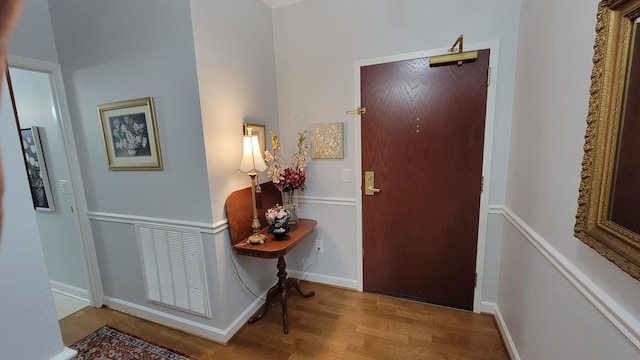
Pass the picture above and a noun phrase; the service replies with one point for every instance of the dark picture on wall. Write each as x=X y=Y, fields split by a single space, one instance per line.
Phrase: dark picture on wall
x=130 y=135
x=36 y=169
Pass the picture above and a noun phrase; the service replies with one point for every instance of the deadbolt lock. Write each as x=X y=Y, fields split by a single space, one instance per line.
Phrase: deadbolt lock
x=369 y=183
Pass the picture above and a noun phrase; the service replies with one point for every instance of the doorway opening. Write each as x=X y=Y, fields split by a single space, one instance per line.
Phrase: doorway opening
x=40 y=105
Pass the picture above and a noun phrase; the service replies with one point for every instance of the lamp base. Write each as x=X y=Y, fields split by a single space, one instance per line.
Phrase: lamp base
x=257 y=239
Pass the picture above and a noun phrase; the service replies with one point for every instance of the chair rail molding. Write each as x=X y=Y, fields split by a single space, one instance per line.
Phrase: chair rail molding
x=207 y=228
x=135 y=219
x=611 y=309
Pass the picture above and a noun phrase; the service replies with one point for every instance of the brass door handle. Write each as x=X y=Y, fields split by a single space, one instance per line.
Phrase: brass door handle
x=369 y=183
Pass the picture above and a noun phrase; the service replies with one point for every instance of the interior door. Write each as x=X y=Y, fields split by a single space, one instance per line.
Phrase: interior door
x=423 y=139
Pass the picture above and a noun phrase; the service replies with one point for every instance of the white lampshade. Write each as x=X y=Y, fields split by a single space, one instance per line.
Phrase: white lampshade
x=252 y=157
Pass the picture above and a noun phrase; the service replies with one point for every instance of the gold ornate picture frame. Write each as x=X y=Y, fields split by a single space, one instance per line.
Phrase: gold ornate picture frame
x=614 y=44
x=131 y=135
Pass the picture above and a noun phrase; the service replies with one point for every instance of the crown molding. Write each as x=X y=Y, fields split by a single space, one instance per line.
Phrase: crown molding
x=279 y=3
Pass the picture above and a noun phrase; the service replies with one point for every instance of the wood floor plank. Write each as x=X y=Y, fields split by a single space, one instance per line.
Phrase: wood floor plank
x=334 y=324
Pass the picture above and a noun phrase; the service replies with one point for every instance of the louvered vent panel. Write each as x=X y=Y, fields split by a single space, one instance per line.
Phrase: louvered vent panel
x=149 y=266
x=173 y=267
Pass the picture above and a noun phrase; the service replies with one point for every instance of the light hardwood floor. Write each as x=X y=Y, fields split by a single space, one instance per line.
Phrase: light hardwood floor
x=333 y=324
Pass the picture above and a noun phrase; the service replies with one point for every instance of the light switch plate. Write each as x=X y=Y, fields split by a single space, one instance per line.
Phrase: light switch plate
x=346 y=175
x=63 y=185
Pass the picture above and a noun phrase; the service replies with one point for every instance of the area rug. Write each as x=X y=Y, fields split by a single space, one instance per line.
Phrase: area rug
x=108 y=343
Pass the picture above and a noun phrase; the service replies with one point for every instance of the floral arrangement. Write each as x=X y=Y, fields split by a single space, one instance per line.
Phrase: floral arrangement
x=293 y=175
x=130 y=135
x=277 y=216
x=278 y=219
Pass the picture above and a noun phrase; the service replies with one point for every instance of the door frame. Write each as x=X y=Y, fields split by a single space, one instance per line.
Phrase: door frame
x=493 y=46
x=81 y=218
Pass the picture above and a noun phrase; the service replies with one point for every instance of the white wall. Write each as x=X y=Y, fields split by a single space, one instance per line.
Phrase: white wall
x=236 y=76
x=25 y=296
x=317 y=43
x=547 y=275
x=120 y=50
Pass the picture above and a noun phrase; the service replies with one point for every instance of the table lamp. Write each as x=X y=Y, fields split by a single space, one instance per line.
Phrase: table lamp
x=252 y=162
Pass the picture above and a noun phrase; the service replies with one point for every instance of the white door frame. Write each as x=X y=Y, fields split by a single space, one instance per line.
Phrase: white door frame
x=486 y=159
x=81 y=219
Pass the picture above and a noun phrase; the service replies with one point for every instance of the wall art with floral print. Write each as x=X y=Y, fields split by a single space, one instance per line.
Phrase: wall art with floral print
x=36 y=169
x=131 y=135
x=327 y=141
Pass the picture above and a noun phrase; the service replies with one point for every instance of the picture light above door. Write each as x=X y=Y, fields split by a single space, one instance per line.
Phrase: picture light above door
x=458 y=57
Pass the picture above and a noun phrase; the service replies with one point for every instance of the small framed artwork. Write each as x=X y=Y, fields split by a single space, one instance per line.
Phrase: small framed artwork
x=260 y=130
x=36 y=169
x=131 y=135
x=327 y=141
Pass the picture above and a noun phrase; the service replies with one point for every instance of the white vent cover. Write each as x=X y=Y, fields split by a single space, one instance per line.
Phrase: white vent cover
x=173 y=267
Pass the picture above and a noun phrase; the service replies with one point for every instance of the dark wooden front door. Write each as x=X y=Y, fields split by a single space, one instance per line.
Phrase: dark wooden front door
x=423 y=137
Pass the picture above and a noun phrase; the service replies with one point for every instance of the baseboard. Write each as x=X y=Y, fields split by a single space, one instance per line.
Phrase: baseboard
x=487 y=307
x=493 y=308
x=70 y=290
x=324 y=279
x=66 y=354
x=222 y=336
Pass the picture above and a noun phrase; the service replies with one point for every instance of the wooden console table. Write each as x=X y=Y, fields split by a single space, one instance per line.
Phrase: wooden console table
x=239 y=210
x=273 y=249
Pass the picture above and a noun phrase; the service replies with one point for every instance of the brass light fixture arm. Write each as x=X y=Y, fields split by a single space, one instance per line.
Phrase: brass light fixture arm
x=458 y=41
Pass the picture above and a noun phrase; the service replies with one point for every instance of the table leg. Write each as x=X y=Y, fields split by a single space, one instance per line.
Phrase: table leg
x=294 y=283
x=263 y=309
x=283 y=299
x=280 y=290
